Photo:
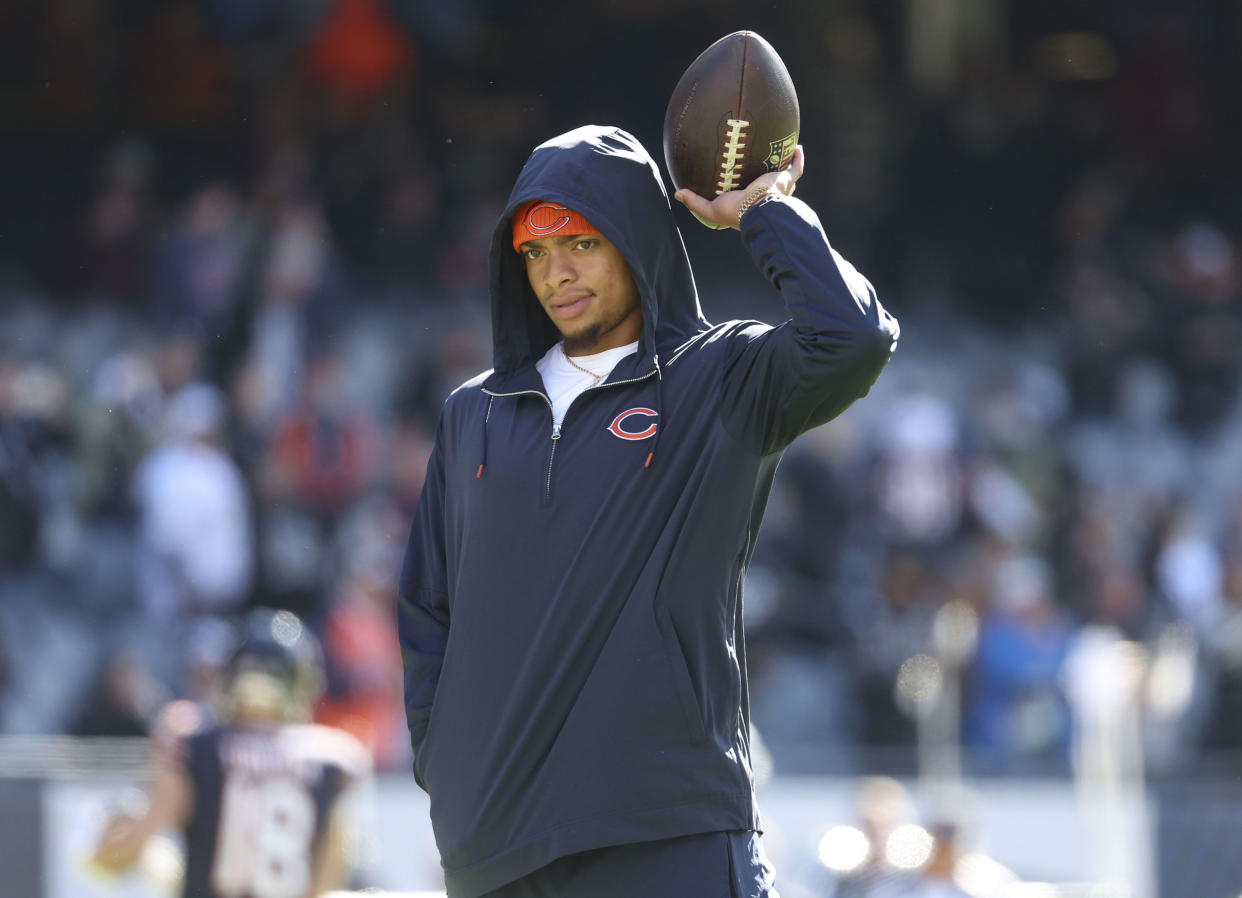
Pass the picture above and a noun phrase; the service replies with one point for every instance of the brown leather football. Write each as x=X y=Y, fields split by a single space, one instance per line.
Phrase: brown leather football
x=732 y=117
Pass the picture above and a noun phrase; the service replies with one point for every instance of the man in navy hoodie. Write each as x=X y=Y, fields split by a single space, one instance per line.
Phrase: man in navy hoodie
x=570 y=607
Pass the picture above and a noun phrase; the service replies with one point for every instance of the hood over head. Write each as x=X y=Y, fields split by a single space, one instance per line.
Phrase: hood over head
x=607 y=176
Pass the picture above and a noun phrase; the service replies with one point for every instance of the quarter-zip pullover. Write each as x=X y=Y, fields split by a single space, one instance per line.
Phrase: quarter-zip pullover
x=565 y=381
x=570 y=606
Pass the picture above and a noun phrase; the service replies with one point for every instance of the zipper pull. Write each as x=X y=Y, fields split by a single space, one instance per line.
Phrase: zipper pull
x=556 y=431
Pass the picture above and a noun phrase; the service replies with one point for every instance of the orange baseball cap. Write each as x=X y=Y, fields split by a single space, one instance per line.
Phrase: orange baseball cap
x=538 y=219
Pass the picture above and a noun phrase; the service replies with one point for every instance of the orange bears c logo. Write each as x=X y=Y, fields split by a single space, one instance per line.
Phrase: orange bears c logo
x=548 y=221
x=618 y=431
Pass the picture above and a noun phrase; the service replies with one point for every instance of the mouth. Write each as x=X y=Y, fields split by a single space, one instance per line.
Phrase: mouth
x=568 y=306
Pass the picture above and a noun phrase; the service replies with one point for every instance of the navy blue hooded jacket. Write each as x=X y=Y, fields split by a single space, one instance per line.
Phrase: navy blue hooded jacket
x=570 y=605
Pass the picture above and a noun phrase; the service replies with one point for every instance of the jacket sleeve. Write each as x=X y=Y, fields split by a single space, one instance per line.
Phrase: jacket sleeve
x=423 y=605
x=782 y=381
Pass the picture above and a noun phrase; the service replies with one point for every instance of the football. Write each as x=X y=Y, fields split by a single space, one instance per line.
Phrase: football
x=732 y=117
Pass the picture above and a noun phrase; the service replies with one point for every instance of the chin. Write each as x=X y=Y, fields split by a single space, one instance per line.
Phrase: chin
x=584 y=337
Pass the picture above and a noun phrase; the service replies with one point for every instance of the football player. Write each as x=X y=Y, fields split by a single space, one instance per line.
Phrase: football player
x=260 y=795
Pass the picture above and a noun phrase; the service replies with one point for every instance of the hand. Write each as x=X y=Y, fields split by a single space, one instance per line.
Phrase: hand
x=721 y=212
x=121 y=842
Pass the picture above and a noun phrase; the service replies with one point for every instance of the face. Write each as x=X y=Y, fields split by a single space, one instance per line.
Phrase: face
x=587 y=289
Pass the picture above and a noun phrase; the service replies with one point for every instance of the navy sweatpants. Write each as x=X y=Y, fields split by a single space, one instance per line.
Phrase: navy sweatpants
x=708 y=865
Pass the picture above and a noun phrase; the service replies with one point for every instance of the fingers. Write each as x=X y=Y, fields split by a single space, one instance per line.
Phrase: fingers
x=799 y=163
x=788 y=181
x=721 y=212
x=718 y=213
x=691 y=200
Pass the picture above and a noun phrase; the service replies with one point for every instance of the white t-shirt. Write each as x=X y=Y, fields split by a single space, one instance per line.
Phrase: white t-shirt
x=195 y=528
x=564 y=383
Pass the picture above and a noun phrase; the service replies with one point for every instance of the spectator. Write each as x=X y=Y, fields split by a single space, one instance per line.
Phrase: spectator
x=194 y=523
x=882 y=806
x=1017 y=712
x=200 y=269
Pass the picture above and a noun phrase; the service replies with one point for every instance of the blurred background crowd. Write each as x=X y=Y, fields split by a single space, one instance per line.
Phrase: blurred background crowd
x=243 y=259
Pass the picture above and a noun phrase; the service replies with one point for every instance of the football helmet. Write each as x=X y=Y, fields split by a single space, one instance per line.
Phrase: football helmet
x=276 y=671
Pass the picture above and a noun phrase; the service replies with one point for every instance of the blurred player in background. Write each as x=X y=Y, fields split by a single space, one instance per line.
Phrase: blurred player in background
x=260 y=796
x=570 y=608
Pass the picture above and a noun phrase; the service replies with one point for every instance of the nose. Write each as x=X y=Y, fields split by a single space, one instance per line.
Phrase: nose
x=560 y=270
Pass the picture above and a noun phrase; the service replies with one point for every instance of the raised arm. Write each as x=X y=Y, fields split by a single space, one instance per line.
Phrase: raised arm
x=166 y=803
x=782 y=381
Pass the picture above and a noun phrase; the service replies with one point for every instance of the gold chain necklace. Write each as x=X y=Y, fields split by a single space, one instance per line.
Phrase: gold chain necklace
x=597 y=377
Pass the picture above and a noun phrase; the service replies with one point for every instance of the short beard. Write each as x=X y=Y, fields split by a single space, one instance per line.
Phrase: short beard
x=589 y=336
x=584 y=339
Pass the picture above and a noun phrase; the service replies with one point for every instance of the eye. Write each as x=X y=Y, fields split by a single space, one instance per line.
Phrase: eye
x=586 y=243
x=531 y=254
